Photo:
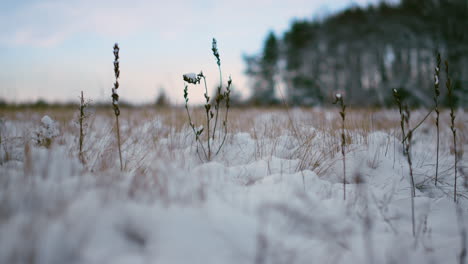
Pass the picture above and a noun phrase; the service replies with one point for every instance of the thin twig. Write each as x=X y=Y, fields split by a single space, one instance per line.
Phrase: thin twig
x=422 y=121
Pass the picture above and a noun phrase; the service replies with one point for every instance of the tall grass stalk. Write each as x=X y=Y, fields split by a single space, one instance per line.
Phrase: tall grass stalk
x=81 y=121
x=209 y=116
x=410 y=164
x=339 y=99
x=406 y=141
x=448 y=84
x=220 y=96
x=226 y=96
x=115 y=99
x=218 y=99
x=436 y=101
x=197 y=132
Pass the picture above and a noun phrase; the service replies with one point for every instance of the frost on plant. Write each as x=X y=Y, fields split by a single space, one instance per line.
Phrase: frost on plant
x=192 y=78
x=46 y=132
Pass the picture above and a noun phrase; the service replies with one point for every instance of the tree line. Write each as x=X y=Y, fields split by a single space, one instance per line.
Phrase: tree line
x=364 y=53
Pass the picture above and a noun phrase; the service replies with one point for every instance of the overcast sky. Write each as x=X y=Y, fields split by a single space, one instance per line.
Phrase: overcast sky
x=53 y=49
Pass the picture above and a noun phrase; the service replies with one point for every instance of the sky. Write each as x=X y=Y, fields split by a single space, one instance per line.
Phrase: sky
x=53 y=49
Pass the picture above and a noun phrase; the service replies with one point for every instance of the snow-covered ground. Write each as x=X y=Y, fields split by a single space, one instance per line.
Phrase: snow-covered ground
x=274 y=194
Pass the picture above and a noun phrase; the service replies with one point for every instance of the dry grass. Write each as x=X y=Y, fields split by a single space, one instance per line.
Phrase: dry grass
x=264 y=125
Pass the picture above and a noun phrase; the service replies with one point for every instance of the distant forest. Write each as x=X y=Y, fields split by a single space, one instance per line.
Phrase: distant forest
x=364 y=53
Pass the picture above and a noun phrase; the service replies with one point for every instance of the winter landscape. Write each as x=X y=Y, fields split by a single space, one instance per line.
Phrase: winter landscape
x=274 y=194
x=344 y=150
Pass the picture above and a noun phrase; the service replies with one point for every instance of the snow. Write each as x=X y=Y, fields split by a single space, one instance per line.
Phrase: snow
x=272 y=195
x=191 y=76
x=47 y=121
x=46 y=132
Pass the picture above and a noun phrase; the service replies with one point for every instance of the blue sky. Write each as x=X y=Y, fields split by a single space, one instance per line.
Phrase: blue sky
x=53 y=49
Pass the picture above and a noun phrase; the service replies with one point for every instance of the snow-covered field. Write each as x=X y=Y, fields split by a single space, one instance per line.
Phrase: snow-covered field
x=274 y=193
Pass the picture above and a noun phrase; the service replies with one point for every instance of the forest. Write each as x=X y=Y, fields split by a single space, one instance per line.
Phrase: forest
x=364 y=53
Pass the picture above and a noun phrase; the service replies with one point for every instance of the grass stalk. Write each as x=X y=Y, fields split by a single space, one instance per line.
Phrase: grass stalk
x=81 y=120
x=219 y=96
x=225 y=121
x=209 y=116
x=115 y=99
x=449 y=86
x=406 y=141
x=197 y=132
x=410 y=164
x=436 y=101
x=339 y=99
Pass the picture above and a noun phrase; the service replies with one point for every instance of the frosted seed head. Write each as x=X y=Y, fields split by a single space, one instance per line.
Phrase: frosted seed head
x=192 y=78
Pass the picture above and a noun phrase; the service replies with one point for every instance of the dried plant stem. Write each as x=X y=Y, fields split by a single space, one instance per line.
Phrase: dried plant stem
x=197 y=133
x=448 y=84
x=406 y=141
x=115 y=99
x=410 y=164
x=437 y=150
x=397 y=98
x=81 y=120
x=118 y=140
x=422 y=121
x=343 y=143
x=456 y=163
x=228 y=104
x=436 y=101
x=339 y=99
x=213 y=139
x=209 y=115
x=394 y=148
x=219 y=98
